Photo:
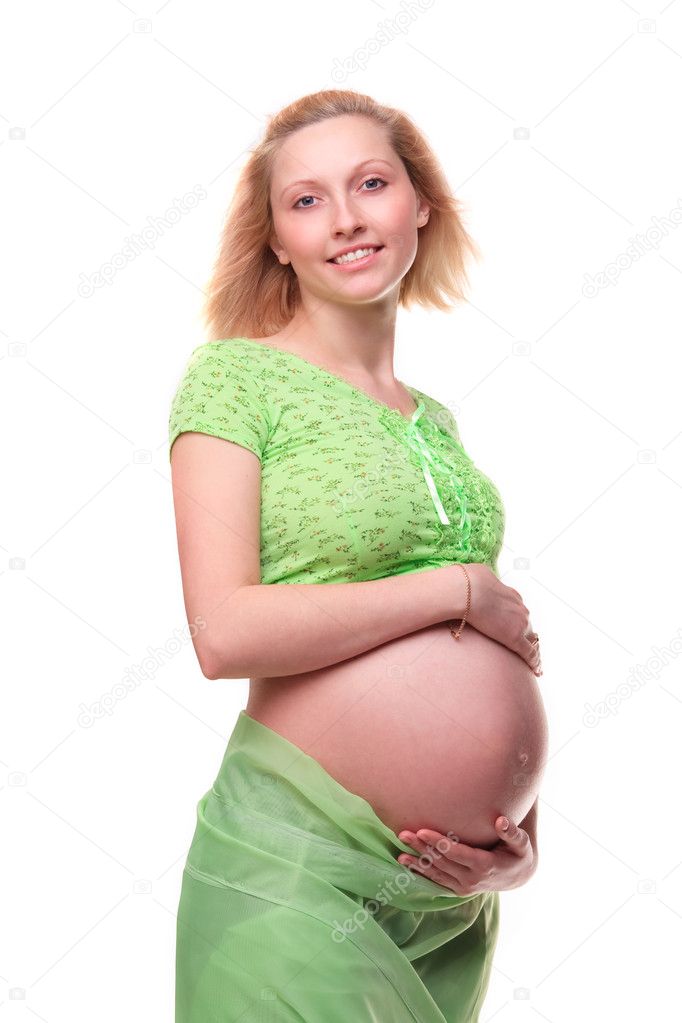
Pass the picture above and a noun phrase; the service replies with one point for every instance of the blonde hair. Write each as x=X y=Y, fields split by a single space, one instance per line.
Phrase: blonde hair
x=251 y=294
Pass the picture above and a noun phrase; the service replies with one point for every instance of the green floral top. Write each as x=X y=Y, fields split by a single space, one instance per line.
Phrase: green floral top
x=351 y=489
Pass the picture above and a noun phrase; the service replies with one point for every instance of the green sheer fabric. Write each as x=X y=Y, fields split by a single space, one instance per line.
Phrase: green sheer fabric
x=294 y=907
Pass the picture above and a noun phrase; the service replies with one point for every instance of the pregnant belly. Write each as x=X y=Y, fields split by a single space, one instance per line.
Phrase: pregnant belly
x=433 y=733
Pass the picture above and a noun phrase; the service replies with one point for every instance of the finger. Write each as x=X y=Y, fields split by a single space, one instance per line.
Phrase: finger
x=425 y=867
x=409 y=838
x=514 y=836
x=427 y=851
x=452 y=850
x=532 y=656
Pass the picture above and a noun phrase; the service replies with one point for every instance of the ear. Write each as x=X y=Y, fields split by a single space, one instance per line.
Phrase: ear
x=279 y=251
x=423 y=211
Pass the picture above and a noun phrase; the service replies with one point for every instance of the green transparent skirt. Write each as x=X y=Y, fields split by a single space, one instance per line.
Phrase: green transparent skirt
x=293 y=906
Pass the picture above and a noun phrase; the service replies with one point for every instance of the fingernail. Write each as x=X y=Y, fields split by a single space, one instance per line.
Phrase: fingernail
x=504 y=825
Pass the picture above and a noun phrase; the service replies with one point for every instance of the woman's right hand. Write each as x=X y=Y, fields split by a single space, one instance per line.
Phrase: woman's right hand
x=498 y=611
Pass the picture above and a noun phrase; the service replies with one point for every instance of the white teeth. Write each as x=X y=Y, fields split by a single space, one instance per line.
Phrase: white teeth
x=349 y=256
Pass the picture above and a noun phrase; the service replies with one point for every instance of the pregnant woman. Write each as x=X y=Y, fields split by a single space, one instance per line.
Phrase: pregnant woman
x=347 y=860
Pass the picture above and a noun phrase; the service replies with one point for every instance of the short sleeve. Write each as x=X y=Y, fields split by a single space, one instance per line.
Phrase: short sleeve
x=219 y=395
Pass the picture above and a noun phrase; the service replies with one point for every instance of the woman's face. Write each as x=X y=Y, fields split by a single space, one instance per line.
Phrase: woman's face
x=339 y=184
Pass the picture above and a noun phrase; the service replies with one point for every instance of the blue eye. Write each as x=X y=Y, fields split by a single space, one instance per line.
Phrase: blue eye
x=366 y=182
x=374 y=179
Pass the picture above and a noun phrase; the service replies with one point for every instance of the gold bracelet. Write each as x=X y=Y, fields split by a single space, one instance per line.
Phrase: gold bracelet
x=456 y=635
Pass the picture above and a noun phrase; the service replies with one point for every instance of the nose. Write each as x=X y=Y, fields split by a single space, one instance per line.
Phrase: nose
x=347 y=218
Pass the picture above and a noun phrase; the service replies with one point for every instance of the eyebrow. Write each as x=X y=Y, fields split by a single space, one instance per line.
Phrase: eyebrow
x=313 y=181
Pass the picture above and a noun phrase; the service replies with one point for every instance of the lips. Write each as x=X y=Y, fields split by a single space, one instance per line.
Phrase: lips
x=377 y=248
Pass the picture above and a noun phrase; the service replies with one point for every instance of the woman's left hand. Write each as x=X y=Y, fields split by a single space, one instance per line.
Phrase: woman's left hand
x=467 y=869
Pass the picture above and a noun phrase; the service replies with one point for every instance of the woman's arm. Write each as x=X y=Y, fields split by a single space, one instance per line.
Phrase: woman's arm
x=284 y=630
x=252 y=630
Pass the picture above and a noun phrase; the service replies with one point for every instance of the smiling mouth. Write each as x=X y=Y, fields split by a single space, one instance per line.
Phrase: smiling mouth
x=377 y=248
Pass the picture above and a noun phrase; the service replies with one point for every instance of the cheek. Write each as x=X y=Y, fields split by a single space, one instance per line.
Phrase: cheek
x=298 y=236
x=305 y=243
x=397 y=223
x=400 y=209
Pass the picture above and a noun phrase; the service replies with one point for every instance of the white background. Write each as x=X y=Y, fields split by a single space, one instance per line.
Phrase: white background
x=558 y=126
